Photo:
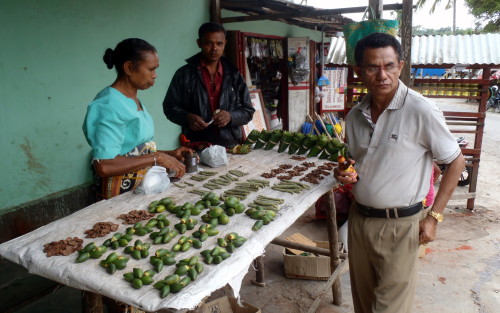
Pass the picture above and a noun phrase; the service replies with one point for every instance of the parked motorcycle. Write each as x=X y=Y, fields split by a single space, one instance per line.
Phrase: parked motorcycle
x=465 y=177
x=494 y=100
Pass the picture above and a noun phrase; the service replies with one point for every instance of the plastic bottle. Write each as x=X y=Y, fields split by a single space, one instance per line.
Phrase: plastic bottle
x=345 y=166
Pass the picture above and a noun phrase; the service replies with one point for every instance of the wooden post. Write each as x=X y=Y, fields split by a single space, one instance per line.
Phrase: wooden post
x=333 y=236
x=259 y=272
x=92 y=302
x=406 y=36
x=478 y=140
x=215 y=15
x=378 y=8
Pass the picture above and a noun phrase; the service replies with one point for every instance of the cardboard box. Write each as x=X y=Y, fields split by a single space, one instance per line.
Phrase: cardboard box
x=228 y=305
x=306 y=267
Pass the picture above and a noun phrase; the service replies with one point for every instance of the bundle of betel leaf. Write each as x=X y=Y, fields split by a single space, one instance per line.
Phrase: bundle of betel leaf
x=252 y=137
x=308 y=143
x=285 y=141
x=296 y=142
x=344 y=150
x=318 y=146
x=239 y=149
x=274 y=139
x=332 y=148
x=263 y=139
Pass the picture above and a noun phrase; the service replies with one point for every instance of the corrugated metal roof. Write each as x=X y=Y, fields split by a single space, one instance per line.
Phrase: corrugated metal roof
x=483 y=49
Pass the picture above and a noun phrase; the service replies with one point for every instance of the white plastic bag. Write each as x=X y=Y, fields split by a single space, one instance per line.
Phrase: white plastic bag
x=214 y=156
x=155 y=181
x=343 y=235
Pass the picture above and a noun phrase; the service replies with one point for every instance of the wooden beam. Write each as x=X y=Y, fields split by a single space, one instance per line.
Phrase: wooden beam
x=215 y=15
x=295 y=245
x=315 y=14
x=255 y=5
x=406 y=36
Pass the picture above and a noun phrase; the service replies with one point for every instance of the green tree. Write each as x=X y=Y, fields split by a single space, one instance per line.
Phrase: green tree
x=449 y=4
x=487 y=11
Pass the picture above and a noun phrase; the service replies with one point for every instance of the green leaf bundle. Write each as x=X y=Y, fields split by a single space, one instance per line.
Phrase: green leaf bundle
x=296 y=142
x=344 y=150
x=285 y=141
x=319 y=146
x=308 y=143
x=263 y=139
x=252 y=137
x=274 y=139
x=332 y=147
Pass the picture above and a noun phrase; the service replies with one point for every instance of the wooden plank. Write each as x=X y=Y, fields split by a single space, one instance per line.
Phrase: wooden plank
x=298 y=14
x=335 y=277
x=469 y=114
x=465 y=123
x=463 y=196
x=464 y=131
x=295 y=245
x=471 y=151
x=452 y=81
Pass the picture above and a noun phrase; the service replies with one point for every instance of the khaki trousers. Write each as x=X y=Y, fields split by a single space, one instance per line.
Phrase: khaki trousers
x=382 y=262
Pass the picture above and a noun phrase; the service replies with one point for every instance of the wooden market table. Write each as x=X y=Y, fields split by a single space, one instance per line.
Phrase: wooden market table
x=27 y=250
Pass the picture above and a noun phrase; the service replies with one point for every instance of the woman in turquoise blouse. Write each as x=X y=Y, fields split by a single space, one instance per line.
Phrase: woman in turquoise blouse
x=118 y=126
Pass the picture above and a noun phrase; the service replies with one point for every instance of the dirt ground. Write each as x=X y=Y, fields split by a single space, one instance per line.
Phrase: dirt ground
x=459 y=273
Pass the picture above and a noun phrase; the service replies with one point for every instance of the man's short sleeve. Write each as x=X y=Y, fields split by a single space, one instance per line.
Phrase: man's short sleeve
x=441 y=141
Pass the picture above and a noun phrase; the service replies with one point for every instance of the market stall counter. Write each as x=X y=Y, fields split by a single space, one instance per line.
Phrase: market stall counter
x=260 y=180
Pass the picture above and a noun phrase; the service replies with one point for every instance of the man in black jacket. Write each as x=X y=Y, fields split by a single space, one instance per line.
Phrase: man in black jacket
x=208 y=97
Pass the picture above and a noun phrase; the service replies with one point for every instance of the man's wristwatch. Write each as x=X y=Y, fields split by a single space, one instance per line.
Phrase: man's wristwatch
x=436 y=215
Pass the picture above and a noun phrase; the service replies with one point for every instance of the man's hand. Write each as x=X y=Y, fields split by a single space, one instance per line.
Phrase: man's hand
x=345 y=177
x=427 y=230
x=222 y=118
x=170 y=163
x=195 y=122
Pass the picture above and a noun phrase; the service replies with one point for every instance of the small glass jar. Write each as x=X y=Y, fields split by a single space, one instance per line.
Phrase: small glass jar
x=191 y=162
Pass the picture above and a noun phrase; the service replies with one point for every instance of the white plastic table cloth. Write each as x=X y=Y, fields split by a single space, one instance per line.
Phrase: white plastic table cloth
x=27 y=250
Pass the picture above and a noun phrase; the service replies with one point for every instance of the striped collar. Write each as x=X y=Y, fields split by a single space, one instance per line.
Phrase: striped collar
x=397 y=101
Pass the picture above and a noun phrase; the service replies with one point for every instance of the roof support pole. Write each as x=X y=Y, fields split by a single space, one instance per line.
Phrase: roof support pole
x=406 y=35
x=215 y=15
x=378 y=8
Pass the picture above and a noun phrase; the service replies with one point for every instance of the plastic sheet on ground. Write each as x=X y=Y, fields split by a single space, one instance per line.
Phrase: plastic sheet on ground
x=27 y=250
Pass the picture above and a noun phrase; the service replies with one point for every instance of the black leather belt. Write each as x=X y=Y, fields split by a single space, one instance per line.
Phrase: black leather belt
x=390 y=212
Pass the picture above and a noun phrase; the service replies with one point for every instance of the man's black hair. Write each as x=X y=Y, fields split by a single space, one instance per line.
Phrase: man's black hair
x=376 y=40
x=210 y=27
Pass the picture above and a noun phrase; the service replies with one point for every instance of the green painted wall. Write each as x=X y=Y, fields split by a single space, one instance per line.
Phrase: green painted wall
x=51 y=67
x=271 y=28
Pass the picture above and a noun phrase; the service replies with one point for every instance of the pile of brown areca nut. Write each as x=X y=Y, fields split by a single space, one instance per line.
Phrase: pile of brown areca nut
x=135 y=216
x=63 y=247
x=101 y=229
